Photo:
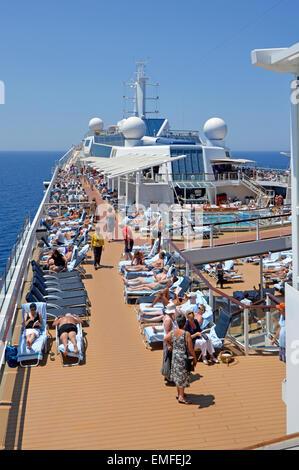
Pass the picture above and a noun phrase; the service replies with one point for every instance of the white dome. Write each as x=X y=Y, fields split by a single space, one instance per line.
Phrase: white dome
x=133 y=128
x=215 y=129
x=96 y=125
x=120 y=124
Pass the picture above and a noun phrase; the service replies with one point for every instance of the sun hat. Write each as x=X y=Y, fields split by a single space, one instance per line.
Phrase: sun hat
x=170 y=308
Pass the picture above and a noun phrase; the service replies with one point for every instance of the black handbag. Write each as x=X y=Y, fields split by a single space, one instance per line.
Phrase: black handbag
x=166 y=367
x=188 y=362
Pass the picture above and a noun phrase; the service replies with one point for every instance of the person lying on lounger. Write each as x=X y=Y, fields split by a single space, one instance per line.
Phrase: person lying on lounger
x=137 y=263
x=147 y=280
x=71 y=215
x=32 y=324
x=277 y=270
x=165 y=297
x=57 y=262
x=67 y=330
x=155 y=265
x=155 y=286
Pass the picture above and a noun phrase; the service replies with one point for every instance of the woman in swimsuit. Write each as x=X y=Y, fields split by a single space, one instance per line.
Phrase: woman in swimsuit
x=32 y=324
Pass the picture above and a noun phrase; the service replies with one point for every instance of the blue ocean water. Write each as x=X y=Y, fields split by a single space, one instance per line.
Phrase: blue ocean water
x=21 y=186
x=21 y=190
x=265 y=159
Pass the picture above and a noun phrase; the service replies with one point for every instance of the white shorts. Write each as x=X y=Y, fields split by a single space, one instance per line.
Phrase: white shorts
x=30 y=331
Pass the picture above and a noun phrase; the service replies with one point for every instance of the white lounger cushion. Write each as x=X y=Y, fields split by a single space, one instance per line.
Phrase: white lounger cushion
x=25 y=354
x=79 y=339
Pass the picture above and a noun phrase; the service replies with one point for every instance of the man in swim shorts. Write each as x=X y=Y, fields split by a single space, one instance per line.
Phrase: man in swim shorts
x=67 y=330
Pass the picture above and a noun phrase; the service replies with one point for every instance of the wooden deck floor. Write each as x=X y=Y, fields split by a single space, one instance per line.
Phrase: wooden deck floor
x=118 y=400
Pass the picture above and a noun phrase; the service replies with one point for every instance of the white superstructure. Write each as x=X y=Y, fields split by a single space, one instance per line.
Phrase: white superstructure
x=170 y=163
x=286 y=60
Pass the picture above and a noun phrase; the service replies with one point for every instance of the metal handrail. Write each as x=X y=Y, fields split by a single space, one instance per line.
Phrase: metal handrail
x=13 y=258
x=209 y=285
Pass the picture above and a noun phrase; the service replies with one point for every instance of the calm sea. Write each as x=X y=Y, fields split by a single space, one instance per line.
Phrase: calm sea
x=21 y=186
x=21 y=190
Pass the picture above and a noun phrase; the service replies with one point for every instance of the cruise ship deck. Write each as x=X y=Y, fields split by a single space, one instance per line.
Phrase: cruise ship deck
x=117 y=399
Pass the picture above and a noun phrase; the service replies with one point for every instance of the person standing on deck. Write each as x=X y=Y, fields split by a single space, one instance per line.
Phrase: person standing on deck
x=110 y=224
x=281 y=333
x=129 y=241
x=97 y=243
x=169 y=324
x=220 y=274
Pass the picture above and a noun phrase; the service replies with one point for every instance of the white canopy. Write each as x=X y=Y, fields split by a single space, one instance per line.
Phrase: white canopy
x=234 y=161
x=129 y=163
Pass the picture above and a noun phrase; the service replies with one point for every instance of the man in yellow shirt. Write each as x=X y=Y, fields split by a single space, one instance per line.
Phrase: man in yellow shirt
x=97 y=243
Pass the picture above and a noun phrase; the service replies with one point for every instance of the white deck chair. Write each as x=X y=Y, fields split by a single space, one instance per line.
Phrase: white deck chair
x=80 y=345
x=40 y=343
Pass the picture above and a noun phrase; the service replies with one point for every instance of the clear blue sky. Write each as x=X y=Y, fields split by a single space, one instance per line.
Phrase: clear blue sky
x=64 y=62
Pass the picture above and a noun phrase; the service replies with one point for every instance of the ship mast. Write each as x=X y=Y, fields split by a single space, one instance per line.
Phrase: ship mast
x=140 y=96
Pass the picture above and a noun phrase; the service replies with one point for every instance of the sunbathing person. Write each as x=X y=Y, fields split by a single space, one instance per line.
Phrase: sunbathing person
x=165 y=296
x=277 y=269
x=147 y=280
x=160 y=315
x=69 y=253
x=60 y=238
x=71 y=215
x=32 y=324
x=57 y=262
x=154 y=286
x=67 y=330
x=137 y=262
x=155 y=265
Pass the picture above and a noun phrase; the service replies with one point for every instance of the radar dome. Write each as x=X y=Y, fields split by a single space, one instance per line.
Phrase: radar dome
x=133 y=128
x=96 y=125
x=215 y=129
x=120 y=123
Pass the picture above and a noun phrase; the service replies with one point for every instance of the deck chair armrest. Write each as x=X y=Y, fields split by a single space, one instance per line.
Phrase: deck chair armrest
x=52 y=297
x=53 y=306
x=51 y=290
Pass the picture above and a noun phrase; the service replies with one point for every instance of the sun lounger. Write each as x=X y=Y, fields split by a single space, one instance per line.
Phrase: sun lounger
x=34 y=295
x=150 y=337
x=54 y=312
x=39 y=344
x=80 y=345
x=218 y=332
x=68 y=284
x=56 y=292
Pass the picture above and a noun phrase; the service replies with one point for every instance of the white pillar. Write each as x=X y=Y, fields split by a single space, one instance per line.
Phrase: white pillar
x=127 y=190
x=137 y=189
x=294 y=179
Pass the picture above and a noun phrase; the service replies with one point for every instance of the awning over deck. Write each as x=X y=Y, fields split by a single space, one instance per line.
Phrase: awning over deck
x=232 y=161
x=129 y=163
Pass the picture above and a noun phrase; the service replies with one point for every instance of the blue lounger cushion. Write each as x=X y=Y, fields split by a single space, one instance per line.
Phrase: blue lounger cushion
x=153 y=337
x=146 y=307
x=24 y=353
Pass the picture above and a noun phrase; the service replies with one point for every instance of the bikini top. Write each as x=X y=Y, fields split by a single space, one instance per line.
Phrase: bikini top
x=31 y=323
